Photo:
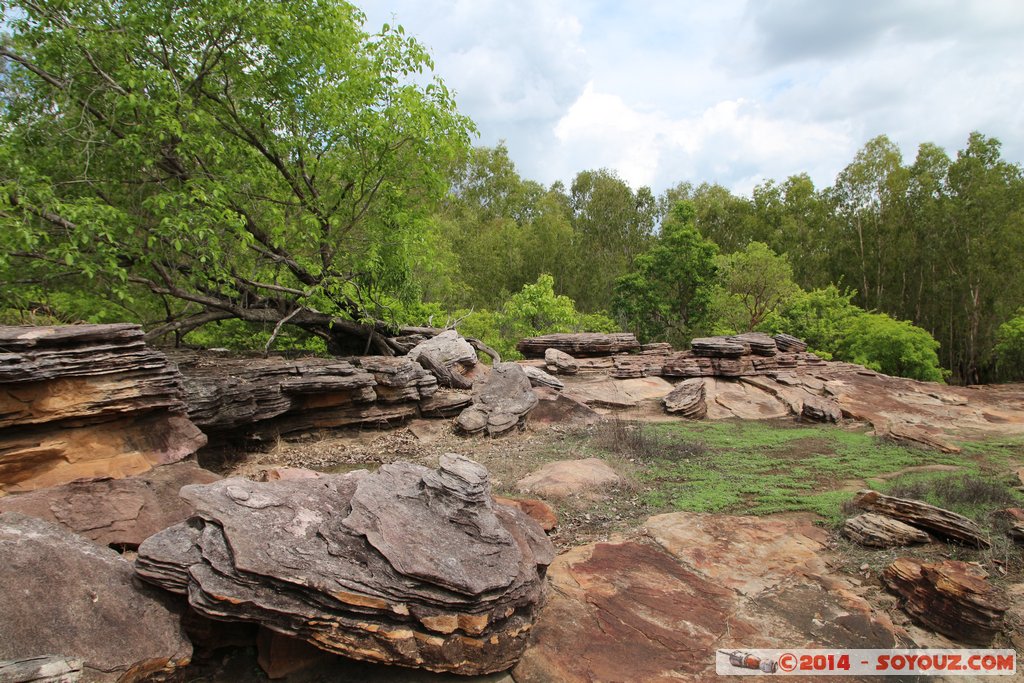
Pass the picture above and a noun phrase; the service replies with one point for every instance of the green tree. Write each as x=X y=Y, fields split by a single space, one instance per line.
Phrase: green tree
x=264 y=161
x=759 y=280
x=532 y=311
x=612 y=225
x=820 y=317
x=668 y=294
x=894 y=347
x=1009 y=349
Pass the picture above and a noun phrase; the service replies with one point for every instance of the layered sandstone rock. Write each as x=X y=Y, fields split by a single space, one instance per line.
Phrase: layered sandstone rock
x=687 y=400
x=231 y=396
x=953 y=598
x=942 y=523
x=879 y=531
x=62 y=593
x=580 y=344
x=83 y=401
x=407 y=565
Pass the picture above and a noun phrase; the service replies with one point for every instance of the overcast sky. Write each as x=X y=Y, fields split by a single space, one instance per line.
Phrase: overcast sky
x=727 y=91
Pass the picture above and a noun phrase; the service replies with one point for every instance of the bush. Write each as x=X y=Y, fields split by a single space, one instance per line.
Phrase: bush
x=890 y=346
x=532 y=311
x=821 y=317
x=1009 y=349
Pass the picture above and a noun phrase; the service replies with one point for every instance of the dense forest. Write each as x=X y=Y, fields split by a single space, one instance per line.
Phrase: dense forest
x=236 y=176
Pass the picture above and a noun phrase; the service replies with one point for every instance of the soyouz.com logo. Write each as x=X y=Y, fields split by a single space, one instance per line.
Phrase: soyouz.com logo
x=932 y=662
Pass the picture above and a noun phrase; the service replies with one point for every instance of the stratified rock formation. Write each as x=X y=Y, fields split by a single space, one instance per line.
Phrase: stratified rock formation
x=82 y=401
x=500 y=402
x=64 y=594
x=579 y=345
x=756 y=377
x=943 y=523
x=407 y=565
x=229 y=396
x=953 y=598
x=115 y=512
x=879 y=531
x=687 y=400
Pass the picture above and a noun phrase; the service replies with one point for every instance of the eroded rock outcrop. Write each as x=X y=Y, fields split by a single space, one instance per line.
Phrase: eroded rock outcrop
x=231 y=396
x=407 y=565
x=560 y=362
x=62 y=593
x=83 y=401
x=687 y=400
x=579 y=345
x=953 y=598
x=449 y=357
x=500 y=402
x=943 y=523
x=879 y=531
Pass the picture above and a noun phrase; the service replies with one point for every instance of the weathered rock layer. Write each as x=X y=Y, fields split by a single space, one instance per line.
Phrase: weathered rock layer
x=83 y=401
x=407 y=565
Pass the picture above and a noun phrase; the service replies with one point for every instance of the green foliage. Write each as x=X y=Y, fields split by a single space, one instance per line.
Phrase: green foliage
x=894 y=347
x=239 y=335
x=821 y=317
x=759 y=280
x=1009 y=349
x=532 y=311
x=668 y=293
x=254 y=160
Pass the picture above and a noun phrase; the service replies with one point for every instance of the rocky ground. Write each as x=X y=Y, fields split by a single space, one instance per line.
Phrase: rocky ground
x=675 y=536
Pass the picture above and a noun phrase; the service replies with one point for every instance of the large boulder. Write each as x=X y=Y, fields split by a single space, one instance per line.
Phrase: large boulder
x=451 y=358
x=63 y=594
x=500 y=402
x=687 y=399
x=406 y=565
x=115 y=512
x=84 y=401
x=942 y=523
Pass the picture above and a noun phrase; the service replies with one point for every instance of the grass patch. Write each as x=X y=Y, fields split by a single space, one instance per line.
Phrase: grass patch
x=972 y=495
x=757 y=467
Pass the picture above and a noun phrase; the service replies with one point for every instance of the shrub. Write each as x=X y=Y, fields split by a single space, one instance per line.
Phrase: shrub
x=894 y=347
x=1009 y=349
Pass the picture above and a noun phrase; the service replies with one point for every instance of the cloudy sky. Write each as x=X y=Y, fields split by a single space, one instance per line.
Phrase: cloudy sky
x=727 y=91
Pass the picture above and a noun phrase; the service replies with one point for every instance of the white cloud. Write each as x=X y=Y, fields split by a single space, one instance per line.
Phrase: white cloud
x=732 y=141
x=732 y=91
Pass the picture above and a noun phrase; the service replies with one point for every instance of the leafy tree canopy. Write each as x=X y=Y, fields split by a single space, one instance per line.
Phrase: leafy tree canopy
x=265 y=161
x=667 y=295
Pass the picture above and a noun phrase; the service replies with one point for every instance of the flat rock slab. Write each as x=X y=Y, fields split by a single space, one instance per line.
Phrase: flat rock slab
x=656 y=610
x=557 y=407
x=727 y=399
x=604 y=392
x=564 y=478
x=115 y=512
x=62 y=593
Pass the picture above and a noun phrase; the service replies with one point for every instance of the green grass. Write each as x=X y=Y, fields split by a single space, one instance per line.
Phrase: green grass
x=748 y=467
